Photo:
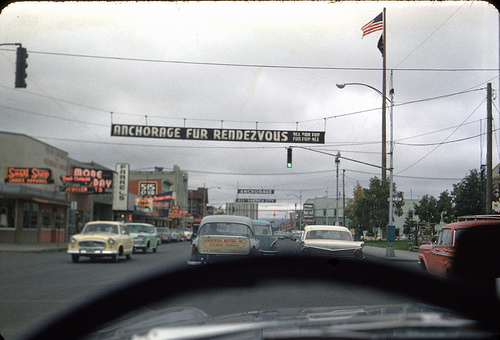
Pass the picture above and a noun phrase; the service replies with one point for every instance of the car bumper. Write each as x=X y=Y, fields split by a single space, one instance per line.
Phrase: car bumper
x=269 y=252
x=356 y=254
x=200 y=259
x=93 y=252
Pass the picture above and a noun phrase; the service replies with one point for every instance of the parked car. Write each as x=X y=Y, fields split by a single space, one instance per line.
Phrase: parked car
x=297 y=235
x=223 y=237
x=101 y=239
x=175 y=235
x=145 y=236
x=335 y=241
x=164 y=234
x=189 y=233
x=478 y=238
x=264 y=233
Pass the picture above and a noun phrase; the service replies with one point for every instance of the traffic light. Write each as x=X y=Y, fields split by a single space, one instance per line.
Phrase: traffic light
x=21 y=66
x=289 y=158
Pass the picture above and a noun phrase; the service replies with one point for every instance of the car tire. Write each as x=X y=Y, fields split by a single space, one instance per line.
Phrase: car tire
x=75 y=258
x=129 y=256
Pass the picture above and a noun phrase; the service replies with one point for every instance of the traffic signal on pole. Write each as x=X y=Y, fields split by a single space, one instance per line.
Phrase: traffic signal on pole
x=21 y=66
x=289 y=158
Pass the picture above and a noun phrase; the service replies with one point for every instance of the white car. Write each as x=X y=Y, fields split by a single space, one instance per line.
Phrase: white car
x=335 y=241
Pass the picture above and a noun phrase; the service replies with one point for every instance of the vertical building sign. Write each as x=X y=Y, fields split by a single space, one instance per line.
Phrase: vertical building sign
x=120 y=192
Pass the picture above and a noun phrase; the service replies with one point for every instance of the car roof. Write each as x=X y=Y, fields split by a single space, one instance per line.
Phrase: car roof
x=471 y=223
x=325 y=227
x=106 y=222
x=227 y=218
x=140 y=223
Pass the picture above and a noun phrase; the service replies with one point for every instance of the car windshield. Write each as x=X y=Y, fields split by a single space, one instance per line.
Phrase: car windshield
x=137 y=228
x=101 y=228
x=223 y=228
x=329 y=235
x=368 y=117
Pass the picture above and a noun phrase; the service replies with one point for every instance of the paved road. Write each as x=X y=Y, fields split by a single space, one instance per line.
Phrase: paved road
x=35 y=284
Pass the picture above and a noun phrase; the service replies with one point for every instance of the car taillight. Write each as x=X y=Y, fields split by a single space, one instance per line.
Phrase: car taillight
x=305 y=251
x=358 y=254
x=193 y=249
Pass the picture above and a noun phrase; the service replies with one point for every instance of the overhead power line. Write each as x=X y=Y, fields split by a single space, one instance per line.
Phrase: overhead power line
x=303 y=67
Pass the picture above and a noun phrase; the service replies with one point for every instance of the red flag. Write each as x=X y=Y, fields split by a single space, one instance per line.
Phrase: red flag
x=374 y=25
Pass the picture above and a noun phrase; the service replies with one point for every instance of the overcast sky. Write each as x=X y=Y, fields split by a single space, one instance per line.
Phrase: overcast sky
x=264 y=65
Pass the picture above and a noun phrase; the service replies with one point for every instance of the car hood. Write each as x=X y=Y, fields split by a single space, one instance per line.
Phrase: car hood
x=352 y=321
x=94 y=235
x=332 y=244
x=134 y=235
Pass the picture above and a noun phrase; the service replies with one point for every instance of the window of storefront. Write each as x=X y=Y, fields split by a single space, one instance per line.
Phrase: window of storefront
x=46 y=218
x=7 y=213
x=60 y=219
x=30 y=215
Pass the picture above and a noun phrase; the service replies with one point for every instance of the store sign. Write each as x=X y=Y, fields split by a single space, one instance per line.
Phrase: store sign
x=90 y=181
x=120 y=190
x=147 y=188
x=28 y=175
x=228 y=135
x=161 y=204
x=308 y=210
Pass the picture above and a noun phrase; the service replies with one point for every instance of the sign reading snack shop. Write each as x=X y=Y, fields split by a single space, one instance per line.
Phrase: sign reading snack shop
x=228 y=135
x=28 y=175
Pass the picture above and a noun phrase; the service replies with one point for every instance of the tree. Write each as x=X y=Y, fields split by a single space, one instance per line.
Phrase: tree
x=445 y=206
x=372 y=209
x=352 y=204
x=427 y=210
x=469 y=195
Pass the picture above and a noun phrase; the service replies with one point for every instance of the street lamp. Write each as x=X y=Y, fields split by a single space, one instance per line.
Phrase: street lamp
x=205 y=194
x=390 y=248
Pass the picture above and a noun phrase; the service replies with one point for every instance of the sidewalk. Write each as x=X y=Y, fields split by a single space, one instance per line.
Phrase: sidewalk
x=32 y=247
x=399 y=255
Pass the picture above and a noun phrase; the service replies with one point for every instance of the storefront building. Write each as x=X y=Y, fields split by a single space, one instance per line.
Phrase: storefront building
x=45 y=196
x=32 y=209
x=158 y=197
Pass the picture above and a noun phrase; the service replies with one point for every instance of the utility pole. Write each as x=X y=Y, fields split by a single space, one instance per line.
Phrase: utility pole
x=337 y=162
x=489 y=151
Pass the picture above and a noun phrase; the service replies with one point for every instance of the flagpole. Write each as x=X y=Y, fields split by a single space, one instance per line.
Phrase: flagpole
x=384 y=96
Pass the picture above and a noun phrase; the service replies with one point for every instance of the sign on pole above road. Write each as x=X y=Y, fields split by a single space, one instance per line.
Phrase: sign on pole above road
x=256 y=200
x=228 y=135
x=256 y=191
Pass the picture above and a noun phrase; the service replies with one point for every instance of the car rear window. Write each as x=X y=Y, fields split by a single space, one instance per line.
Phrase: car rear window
x=329 y=235
x=236 y=229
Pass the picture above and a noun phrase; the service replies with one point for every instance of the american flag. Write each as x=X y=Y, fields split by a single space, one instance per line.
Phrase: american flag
x=375 y=25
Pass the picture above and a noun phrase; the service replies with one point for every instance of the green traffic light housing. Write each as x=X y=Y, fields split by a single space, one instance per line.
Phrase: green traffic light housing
x=21 y=65
x=289 y=158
